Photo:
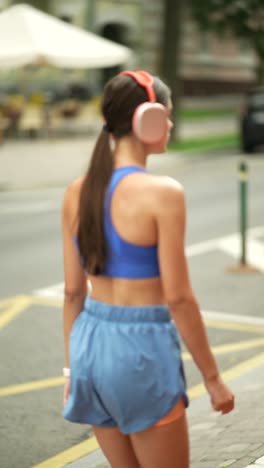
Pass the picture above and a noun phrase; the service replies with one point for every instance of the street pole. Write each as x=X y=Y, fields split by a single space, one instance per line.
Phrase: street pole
x=243 y=266
x=243 y=190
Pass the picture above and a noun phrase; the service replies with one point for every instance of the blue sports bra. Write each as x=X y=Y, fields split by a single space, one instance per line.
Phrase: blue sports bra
x=126 y=260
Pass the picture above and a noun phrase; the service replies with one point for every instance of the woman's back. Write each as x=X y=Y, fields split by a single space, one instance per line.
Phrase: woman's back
x=132 y=213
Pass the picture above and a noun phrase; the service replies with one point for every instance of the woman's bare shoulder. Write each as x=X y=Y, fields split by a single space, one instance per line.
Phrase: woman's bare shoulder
x=71 y=198
x=169 y=183
x=73 y=190
x=74 y=187
x=167 y=191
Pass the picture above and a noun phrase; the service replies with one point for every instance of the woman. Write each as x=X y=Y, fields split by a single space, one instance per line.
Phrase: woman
x=125 y=229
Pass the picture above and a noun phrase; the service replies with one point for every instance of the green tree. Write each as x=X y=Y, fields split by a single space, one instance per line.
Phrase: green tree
x=43 y=5
x=243 y=18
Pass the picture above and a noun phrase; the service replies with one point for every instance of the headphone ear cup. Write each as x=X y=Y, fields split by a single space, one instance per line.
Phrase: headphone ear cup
x=150 y=122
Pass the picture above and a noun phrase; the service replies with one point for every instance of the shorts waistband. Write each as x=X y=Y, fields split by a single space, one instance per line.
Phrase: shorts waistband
x=124 y=313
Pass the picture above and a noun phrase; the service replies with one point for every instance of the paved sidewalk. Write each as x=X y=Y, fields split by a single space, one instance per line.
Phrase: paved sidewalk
x=57 y=161
x=235 y=440
x=43 y=163
x=214 y=126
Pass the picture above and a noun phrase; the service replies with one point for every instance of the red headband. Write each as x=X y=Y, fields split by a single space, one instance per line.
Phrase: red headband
x=145 y=80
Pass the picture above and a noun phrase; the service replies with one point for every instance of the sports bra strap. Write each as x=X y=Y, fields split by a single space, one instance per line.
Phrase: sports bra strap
x=119 y=174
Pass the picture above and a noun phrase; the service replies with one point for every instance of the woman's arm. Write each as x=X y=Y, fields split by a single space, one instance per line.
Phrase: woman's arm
x=75 y=288
x=178 y=293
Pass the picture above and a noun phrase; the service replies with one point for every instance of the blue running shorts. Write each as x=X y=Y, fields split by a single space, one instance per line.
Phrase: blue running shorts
x=126 y=367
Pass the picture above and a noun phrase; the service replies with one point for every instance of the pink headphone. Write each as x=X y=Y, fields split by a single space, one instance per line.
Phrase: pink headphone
x=149 y=121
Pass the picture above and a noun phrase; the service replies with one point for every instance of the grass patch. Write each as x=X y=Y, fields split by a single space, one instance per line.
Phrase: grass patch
x=206 y=143
x=203 y=114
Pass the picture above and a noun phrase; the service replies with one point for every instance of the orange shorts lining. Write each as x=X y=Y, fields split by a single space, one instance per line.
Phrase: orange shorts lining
x=176 y=413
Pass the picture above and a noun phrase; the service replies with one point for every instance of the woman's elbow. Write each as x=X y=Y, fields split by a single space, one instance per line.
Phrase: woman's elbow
x=177 y=301
x=72 y=295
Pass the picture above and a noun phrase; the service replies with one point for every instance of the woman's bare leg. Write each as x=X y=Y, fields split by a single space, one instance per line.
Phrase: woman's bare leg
x=117 y=447
x=163 y=447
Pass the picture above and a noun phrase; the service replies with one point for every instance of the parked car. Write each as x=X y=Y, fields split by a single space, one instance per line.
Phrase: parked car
x=252 y=121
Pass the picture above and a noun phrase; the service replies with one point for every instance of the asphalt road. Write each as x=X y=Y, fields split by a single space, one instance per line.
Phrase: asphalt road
x=31 y=346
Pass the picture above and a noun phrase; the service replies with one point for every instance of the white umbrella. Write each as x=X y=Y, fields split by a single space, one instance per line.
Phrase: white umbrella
x=29 y=36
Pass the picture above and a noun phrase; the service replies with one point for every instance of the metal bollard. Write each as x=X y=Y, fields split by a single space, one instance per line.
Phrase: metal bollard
x=243 y=266
x=243 y=180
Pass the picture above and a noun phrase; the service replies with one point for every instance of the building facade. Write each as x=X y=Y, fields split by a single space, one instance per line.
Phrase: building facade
x=209 y=65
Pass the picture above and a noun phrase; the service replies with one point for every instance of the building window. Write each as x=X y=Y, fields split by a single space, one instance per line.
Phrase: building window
x=205 y=48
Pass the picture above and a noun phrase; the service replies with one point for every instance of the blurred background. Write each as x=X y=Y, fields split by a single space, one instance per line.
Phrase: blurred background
x=54 y=61
x=210 y=56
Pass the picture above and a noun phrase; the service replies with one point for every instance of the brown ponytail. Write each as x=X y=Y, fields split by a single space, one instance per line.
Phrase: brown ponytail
x=91 y=239
x=121 y=96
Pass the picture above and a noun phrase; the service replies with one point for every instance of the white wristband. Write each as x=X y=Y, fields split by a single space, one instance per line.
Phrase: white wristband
x=66 y=372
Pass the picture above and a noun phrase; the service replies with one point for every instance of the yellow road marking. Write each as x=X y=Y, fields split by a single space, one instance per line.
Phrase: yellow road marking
x=230 y=374
x=56 y=302
x=31 y=386
x=221 y=324
x=57 y=381
x=90 y=445
x=70 y=455
x=16 y=307
x=243 y=367
x=47 y=301
x=6 y=302
x=19 y=304
x=234 y=326
x=231 y=347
